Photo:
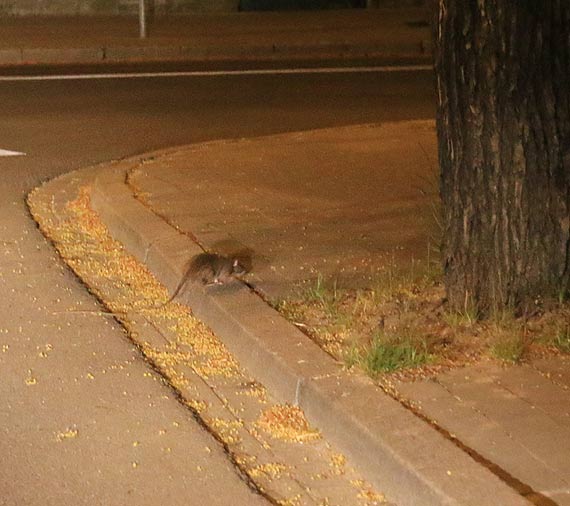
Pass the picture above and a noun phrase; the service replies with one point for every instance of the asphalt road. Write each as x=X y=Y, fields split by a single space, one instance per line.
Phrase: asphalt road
x=63 y=125
x=46 y=359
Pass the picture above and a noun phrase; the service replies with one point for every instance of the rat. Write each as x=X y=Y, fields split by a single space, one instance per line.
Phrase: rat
x=210 y=269
x=207 y=269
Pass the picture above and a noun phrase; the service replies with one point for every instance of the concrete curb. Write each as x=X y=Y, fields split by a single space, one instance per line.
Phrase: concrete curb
x=399 y=453
x=59 y=56
x=11 y=56
x=122 y=54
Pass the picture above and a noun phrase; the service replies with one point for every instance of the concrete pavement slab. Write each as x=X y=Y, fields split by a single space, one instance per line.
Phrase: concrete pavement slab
x=148 y=53
x=61 y=55
x=11 y=56
x=290 y=198
x=557 y=370
x=516 y=453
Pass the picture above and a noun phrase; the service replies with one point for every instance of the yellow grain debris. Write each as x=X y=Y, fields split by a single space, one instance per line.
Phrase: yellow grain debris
x=66 y=434
x=283 y=421
x=270 y=470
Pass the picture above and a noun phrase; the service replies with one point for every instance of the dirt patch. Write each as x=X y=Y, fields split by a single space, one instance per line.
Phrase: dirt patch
x=401 y=326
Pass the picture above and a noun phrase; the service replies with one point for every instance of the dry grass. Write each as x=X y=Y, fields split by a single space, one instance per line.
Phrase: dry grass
x=401 y=325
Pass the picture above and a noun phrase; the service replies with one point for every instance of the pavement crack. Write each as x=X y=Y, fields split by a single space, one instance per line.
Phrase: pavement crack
x=525 y=490
x=521 y=444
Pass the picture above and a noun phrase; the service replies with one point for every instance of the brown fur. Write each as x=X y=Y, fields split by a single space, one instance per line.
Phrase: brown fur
x=210 y=269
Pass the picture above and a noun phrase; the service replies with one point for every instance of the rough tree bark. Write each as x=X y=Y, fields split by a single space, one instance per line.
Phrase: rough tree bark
x=503 y=121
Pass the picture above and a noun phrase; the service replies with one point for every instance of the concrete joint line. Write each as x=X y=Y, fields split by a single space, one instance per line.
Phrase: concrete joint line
x=147 y=250
x=300 y=383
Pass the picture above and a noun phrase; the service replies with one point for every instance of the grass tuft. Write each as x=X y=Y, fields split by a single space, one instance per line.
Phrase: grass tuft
x=510 y=350
x=508 y=337
x=323 y=295
x=388 y=354
x=562 y=339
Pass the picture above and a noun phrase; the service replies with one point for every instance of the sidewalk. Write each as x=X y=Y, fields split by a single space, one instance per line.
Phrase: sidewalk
x=303 y=203
x=357 y=33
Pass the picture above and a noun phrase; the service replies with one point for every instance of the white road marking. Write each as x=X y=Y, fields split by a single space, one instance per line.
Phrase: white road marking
x=5 y=152
x=218 y=73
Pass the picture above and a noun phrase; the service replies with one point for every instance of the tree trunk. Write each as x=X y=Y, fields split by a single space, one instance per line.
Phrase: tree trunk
x=503 y=120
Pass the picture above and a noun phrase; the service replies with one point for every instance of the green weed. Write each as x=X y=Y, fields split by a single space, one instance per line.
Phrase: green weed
x=562 y=339
x=388 y=354
x=509 y=348
x=465 y=318
x=324 y=295
x=508 y=336
x=316 y=292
